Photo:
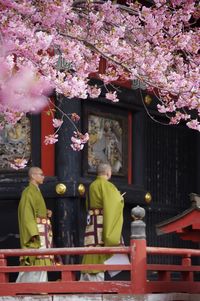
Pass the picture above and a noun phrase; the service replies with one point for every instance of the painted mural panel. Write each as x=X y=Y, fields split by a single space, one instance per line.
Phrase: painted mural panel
x=107 y=143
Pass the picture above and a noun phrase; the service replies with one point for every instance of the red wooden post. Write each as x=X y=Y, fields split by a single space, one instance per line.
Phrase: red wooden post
x=47 y=151
x=67 y=276
x=3 y=275
x=187 y=276
x=138 y=252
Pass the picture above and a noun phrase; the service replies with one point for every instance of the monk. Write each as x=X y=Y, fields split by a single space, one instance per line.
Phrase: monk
x=34 y=227
x=104 y=222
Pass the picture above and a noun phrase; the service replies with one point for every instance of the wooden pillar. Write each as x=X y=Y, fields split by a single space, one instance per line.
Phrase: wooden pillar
x=187 y=276
x=138 y=251
x=68 y=170
x=68 y=162
x=47 y=151
x=3 y=275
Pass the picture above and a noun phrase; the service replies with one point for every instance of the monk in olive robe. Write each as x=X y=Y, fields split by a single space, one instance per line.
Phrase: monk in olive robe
x=106 y=220
x=34 y=227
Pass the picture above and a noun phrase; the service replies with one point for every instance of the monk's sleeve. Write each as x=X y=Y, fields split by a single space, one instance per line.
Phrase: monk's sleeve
x=112 y=215
x=27 y=222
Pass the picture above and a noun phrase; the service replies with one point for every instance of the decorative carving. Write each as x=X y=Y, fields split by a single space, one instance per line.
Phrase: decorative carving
x=195 y=199
x=15 y=142
x=106 y=142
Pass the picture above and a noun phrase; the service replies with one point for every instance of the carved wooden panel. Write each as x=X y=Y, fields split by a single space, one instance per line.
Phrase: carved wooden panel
x=15 y=142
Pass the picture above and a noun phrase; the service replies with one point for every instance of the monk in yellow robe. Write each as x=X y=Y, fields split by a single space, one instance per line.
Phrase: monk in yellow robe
x=105 y=220
x=34 y=227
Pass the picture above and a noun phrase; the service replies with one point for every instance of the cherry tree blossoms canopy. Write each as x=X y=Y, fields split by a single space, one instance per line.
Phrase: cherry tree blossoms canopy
x=54 y=44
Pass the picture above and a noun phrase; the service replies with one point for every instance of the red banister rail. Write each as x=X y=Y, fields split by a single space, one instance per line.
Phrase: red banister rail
x=172 y=251
x=137 y=266
x=65 y=251
x=99 y=250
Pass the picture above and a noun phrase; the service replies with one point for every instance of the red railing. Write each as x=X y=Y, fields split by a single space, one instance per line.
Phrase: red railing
x=138 y=267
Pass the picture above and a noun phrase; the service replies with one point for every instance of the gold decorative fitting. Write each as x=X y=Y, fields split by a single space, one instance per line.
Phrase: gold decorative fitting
x=81 y=189
x=148 y=100
x=96 y=211
x=61 y=188
x=148 y=197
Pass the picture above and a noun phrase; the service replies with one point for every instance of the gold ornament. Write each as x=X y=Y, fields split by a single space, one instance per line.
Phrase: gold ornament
x=148 y=100
x=61 y=188
x=81 y=189
x=148 y=197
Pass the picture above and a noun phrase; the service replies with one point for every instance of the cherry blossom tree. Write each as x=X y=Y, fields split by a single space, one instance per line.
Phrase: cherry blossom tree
x=48 y=45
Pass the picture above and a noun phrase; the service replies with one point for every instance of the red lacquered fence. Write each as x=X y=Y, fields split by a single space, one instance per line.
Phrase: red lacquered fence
x=138 y=268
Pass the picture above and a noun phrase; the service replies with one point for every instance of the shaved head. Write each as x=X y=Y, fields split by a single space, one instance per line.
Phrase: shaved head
x=103 y=169
x=33 y=170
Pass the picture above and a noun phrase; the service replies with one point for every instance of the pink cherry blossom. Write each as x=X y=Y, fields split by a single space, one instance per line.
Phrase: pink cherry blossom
x=58 y=45
x=194 y=124
x=78 y=140
x=51 y=139
x=57 y=123
x=162 y=108
x=25 y=85
x=178 y=117
x=112 y=96
x=84 y=138
x=94 y=91
x=18 y=163
x=9 y=116
x=77 y=146
x=75 y=117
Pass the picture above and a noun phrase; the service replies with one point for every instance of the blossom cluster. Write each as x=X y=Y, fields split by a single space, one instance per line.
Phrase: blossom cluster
x=155 y=44
x=18 y=163
x=78 y=140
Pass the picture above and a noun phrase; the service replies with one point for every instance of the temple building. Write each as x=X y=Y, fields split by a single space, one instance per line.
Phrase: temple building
x=156 y=165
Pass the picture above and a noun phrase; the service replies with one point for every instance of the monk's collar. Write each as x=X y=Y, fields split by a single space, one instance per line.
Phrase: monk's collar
x=32 y=185
x=102 y=178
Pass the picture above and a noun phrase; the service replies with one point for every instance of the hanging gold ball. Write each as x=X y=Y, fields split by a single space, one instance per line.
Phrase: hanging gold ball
x=61 y=188
x=81 y=189
x=148 y=197
x=148 y=100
